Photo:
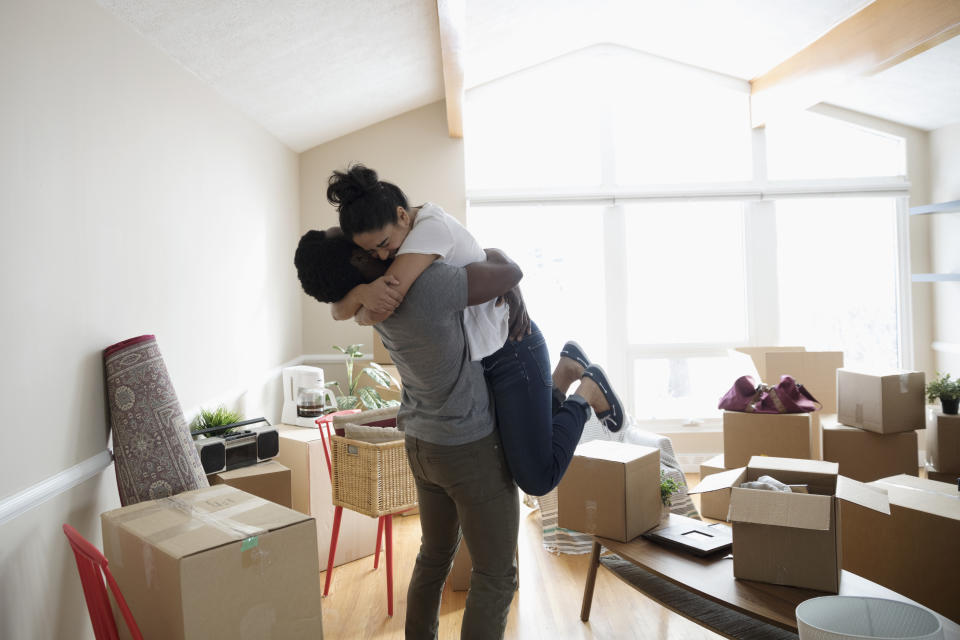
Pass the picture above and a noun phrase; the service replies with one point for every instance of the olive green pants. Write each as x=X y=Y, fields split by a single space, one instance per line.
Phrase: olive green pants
x=465 y=488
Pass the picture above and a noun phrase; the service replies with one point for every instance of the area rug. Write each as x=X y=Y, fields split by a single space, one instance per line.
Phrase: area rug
x=154 y=455
x=708 y=613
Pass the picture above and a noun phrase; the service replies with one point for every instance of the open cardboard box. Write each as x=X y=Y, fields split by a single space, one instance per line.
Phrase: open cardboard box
x=914 y=550
x=792 y=538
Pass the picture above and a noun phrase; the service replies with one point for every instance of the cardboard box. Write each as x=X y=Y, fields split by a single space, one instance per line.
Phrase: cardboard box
x=943 y=443
x=949 y=477
x=782 y=435
x=792 y=538
x=759 y=357
x=269 y=480
x=380 y=353
x=459 y=578
x=867 y=456
x=215 y=563
x=815 y=370
x=301 y=450
x=611 y=489
x=716 y=503
x=914 y=550
x=881 y=402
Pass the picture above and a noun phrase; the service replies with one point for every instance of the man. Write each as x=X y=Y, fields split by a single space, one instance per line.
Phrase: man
x=463 y=482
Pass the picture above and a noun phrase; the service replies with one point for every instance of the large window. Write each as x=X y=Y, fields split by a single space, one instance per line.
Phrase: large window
x=627 y=189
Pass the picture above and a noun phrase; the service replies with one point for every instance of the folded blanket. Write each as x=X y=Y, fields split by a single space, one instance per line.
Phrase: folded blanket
x=363 y=433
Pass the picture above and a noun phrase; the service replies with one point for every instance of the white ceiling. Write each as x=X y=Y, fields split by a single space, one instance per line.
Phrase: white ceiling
x=313 y=70
x=923 y=92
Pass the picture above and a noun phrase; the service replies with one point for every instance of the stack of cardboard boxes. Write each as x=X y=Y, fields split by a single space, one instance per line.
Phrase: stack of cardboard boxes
x=788 y=435
x=874 y=433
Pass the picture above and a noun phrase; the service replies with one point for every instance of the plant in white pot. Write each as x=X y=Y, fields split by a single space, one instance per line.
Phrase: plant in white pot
x=947 y=390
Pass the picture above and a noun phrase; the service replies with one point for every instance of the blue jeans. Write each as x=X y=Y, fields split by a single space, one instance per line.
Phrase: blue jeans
x=539 y=427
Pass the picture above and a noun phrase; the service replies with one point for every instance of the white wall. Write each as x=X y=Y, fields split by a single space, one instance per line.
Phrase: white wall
x=945 y=246
x=412 y=150
x=134 y=200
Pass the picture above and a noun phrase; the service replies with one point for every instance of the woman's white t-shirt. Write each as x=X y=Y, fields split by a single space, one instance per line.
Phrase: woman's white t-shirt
x=436 y=231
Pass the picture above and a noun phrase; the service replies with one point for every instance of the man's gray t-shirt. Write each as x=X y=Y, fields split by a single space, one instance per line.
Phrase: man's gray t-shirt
x=445 y=396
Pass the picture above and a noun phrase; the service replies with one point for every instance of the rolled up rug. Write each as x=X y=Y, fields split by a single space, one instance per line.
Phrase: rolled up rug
x=154 y=455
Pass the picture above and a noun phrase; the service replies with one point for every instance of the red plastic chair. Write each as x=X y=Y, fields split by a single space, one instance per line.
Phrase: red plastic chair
x=384 y=523
x=92 y=566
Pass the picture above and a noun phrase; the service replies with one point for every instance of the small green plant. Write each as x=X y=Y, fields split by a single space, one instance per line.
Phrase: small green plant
x=943 y=388
x=209 y=418
x=358 y=394
x=668 y=487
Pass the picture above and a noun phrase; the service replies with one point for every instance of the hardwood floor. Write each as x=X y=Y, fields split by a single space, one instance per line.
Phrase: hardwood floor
x=546 y=606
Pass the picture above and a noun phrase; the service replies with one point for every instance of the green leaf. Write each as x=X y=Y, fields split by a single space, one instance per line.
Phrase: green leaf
x=370 y=398
x=380 y=376
x=347 y=402
x=339 y=348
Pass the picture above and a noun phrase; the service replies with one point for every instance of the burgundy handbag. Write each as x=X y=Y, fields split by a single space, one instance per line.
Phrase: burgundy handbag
x=787 y=397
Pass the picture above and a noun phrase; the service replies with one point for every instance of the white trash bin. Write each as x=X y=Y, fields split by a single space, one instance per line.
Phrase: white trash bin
x=848 y=617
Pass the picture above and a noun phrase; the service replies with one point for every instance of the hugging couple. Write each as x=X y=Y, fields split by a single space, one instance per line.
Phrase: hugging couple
x=481 y=410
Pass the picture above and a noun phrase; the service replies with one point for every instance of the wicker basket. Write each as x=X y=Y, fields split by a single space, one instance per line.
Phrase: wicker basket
x=372 y=478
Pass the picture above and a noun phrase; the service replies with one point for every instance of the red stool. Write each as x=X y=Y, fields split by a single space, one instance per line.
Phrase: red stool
x=384 y=523
x=92 y=566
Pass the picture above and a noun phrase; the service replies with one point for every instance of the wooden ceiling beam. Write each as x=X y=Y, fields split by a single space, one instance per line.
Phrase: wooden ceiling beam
x=879 y=36
x=452 y=15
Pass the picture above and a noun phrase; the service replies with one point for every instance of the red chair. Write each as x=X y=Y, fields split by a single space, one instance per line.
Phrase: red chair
x=92 y=566
x=384 y=523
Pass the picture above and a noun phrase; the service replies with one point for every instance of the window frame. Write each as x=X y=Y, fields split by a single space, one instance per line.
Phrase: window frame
x=760 y=254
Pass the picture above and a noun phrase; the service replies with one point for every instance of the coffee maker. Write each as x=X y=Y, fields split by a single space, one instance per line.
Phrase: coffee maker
x=304 y=395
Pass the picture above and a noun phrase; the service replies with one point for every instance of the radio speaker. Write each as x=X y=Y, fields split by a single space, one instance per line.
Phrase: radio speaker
x=268 y=442
x=213 y=454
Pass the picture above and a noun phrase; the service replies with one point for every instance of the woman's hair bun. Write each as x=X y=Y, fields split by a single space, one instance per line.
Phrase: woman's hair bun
x=351 y=185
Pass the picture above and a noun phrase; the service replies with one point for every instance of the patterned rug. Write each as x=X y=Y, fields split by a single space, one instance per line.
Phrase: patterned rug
x=154 y=455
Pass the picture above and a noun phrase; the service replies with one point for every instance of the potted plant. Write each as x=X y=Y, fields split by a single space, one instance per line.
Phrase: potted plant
x=362 y=396
x=668 y=487
x=947 y=390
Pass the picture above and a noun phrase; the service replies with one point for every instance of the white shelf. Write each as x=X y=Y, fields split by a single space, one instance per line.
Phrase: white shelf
x=940 y=207
x=936 y=277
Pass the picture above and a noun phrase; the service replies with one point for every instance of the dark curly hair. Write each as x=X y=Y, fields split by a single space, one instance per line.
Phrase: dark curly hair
x=364 y=202
x=323 y=265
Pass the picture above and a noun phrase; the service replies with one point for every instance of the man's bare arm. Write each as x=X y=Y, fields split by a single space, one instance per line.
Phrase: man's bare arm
x=492 y=278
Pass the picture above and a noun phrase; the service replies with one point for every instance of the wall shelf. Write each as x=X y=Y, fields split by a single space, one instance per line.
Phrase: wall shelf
x=940 y=207
x=936 y=277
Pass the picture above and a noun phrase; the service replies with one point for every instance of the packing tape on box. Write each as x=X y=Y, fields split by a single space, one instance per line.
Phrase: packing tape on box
x=196 y=508
x=904 y=382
